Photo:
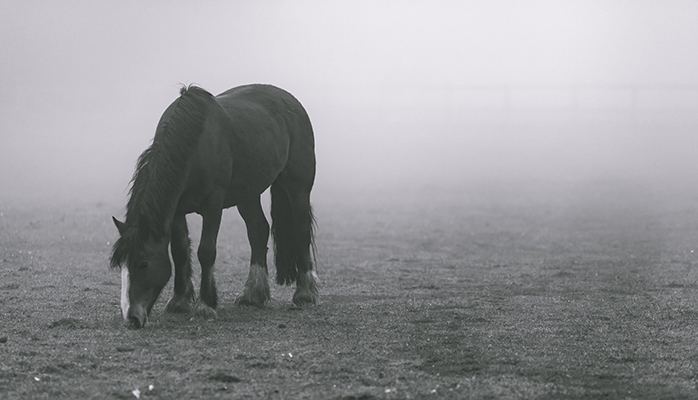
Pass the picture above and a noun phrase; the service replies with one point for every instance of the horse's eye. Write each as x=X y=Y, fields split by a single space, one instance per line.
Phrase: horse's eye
x=143 y=265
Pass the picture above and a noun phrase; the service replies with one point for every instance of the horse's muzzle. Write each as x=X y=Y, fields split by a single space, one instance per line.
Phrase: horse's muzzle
x=137 y=317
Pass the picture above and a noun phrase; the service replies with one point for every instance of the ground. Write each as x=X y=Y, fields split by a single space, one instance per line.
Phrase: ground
x=558 y=290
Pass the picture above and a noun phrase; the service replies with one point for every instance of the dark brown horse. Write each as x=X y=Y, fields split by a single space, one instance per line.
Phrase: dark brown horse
x=210 y=153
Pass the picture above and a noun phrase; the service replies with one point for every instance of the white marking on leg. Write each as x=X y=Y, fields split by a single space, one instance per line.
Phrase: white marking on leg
x=125 y=284
x=314 y=277
x=257 y=276
x=306 y=289
x=256 y=288
x=309 y=279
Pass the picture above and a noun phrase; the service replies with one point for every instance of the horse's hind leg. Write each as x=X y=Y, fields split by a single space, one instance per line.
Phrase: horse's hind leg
x=293 y=219
x=183 y=297
x=256 y=292
x=306 y=284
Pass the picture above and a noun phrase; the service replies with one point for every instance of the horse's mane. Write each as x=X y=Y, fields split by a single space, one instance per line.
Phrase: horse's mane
x=160 y=172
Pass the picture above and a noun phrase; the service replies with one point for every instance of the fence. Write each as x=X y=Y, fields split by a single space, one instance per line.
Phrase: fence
x=516 y=104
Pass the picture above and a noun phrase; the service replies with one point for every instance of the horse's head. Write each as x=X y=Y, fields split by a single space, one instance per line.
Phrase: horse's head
x=145 y=269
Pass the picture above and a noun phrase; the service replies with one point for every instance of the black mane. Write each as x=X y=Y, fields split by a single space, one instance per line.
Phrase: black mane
x=160 y=171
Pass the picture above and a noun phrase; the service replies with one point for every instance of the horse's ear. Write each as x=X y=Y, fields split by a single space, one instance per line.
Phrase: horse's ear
x=119 y=225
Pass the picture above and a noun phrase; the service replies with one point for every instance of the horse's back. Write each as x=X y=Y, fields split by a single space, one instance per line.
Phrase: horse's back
x=270 y=114
x=273 y=102
x=265 y=95
x=271 y=133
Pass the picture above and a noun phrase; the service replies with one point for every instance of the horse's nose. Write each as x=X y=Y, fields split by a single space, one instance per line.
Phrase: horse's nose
x=134 y=323
x=137 y=317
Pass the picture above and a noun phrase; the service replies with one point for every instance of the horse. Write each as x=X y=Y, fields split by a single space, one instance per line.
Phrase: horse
x=210 y=153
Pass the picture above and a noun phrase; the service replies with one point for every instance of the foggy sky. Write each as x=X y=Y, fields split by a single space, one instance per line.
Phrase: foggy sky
x=84 y=84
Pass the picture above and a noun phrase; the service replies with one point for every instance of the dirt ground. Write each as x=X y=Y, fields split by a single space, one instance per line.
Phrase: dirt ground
x=531 y=290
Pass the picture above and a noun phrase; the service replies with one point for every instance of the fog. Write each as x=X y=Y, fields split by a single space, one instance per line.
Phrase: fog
x=401 y=93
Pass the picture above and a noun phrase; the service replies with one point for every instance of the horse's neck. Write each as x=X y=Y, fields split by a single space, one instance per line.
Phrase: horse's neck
x=158 y=215
x=167 y=215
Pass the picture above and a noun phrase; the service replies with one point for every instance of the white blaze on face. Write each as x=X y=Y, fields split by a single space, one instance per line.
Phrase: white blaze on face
x=125 y=283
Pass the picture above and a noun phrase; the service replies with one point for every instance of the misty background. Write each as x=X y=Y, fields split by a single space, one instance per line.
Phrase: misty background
x=403 y=95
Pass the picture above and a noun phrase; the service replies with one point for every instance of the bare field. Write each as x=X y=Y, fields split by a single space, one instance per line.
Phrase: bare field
x=537 y=290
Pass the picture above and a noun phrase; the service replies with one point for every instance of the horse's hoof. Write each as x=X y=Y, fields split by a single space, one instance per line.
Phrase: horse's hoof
x=178 y=306
x=252 y=299
x=306 y=290
x=202 y=310
x=305 y=299
x=241 y=301
x=256 y=292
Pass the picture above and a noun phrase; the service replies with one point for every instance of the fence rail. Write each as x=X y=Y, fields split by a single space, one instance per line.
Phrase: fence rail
x=534 y=103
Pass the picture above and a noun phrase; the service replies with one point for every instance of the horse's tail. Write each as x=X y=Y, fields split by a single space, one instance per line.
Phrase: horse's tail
x=293 y=231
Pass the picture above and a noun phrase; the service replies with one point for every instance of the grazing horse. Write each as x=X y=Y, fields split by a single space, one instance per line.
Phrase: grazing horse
x=210 y=153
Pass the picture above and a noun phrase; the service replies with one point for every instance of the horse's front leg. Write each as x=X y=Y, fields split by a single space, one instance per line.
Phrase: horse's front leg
x=183 y=297
x=207 y=257
x=256 y=292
